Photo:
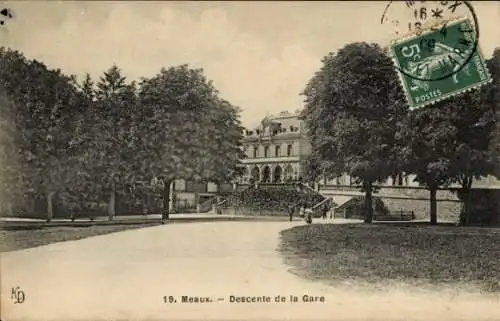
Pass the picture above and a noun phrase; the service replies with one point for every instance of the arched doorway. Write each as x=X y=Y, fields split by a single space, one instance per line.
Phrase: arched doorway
x=277 y=174
x=266 y=174
x=288 y=172
x=255 y=174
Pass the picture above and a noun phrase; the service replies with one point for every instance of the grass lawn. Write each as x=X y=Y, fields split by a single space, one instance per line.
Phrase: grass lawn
x=411 y=254
x=16 y=239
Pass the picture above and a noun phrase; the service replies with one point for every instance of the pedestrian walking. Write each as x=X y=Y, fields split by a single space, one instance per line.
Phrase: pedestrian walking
x=291 y=209
x=308 y=215
x=324 y=212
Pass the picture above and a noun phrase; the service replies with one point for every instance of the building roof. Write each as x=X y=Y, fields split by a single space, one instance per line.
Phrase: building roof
x=285 y=118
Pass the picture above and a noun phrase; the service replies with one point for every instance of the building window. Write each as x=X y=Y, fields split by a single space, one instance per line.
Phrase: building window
x=266 y=151
x=289 y=150
x=255 y=152
x=277 y=151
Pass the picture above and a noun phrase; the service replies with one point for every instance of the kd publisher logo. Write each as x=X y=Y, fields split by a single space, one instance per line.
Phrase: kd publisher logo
x=17 y=295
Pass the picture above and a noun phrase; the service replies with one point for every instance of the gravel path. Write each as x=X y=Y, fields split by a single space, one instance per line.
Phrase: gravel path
x=125 y=275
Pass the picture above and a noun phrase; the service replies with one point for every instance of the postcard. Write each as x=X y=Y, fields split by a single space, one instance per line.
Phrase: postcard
x=256 y=160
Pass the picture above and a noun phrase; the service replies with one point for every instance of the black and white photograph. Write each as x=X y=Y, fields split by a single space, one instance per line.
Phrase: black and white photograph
x=249 y=160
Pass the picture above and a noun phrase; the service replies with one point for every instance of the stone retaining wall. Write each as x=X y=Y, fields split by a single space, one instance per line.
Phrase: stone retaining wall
x=408 y=198
x=446 y=210
x=416 y=193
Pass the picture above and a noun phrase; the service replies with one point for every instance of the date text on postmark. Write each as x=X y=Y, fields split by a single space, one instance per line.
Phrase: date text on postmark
x=439 y=63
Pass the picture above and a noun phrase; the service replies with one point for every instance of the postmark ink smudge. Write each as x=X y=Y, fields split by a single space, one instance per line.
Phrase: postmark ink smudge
x=440 y=58
x=5 y=14
x=455 y=48
x=425 y=57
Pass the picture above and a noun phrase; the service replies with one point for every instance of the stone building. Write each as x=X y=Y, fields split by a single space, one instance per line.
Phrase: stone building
x=275 y=149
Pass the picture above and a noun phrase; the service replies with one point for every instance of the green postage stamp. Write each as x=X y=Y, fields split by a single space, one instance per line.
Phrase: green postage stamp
x=439 y=63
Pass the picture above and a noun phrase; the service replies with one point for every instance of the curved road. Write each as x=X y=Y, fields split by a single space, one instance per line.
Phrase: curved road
x=126 y=275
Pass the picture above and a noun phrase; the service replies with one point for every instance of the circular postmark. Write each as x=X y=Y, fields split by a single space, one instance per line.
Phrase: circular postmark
x=442 y=37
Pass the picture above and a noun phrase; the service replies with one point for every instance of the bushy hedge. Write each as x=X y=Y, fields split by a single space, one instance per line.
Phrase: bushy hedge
x=276 y=198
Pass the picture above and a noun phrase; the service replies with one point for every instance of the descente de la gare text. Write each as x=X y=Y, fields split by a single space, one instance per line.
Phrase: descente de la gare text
x=244 y=299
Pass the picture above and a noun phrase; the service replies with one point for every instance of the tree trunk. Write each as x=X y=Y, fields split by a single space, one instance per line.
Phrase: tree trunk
x=197 y=201
x=166 y=201
x=433 y=204
x=465 y=197
x=99 y=206
x=112 y=203
x=172 y=204
x=465 y=213
x=10 y=209
x=468 y=207
x=368 y=203
x=50 y=208
x=32 y=204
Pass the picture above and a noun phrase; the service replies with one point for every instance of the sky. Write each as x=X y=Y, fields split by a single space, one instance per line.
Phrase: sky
x=260 y=55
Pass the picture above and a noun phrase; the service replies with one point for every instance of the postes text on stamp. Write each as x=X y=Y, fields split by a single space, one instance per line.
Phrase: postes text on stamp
x=440 y=62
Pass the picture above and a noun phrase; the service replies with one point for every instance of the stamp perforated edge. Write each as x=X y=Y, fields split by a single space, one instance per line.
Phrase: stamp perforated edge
x=428 y=29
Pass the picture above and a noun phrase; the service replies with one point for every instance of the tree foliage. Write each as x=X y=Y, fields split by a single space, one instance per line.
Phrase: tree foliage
x=46 y=103
x=11 y=178
x=450 y=142
x=187 y=131
x=88 y=142
x=353 y=106
x=493 y=100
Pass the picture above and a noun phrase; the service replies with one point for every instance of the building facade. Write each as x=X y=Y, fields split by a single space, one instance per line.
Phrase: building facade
x=275 y=150
x=277 y=147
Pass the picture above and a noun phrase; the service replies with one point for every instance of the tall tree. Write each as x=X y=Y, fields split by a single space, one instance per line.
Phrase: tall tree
x=11 y=174
x=111 y=83
x=450 y=143
x=493 y=99
x=111 y=127
x=428 y=137
x=87 y=88
x=57 y=106
x=46 y=102
x=353 y=105
x=186 y=130
x=474 y=120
